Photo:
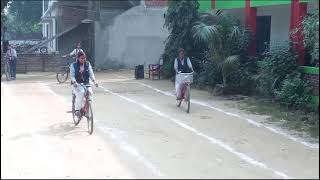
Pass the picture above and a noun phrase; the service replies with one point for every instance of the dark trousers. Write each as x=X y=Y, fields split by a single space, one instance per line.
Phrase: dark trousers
x=13 y=65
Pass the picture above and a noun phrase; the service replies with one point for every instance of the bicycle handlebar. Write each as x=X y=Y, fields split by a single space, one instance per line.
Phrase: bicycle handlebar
x=83 y=85
x=185 y=73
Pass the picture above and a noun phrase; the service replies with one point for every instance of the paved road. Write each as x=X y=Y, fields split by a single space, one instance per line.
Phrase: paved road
x=140 y=133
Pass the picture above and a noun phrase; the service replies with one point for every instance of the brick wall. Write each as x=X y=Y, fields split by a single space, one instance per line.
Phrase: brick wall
x=156 y=3
x=38 y=63
x=314 y=81
x=69 y=16
x=311 y=74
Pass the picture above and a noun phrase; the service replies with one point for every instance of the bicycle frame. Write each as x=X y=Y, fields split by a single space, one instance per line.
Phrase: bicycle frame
x=6 y=67
x=183 y=90
x=86 y=109
x=184 y=85
x=86 y=98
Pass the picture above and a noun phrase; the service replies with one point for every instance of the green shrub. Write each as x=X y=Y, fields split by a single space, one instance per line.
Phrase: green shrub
x=209 y=75
x=295 y=92
x=274 y=68
x=244 y=77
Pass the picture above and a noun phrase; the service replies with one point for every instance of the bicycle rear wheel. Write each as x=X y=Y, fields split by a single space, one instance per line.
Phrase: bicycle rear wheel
x=76 y=119
x=90 y=118
x=7 y=71
x=63 y=75
x=43 y=50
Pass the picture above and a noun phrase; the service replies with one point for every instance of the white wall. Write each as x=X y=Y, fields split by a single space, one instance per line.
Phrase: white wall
x=134 y=37
x=54 y=42
x=51 y=25
x=43 y=24
x=280 y=21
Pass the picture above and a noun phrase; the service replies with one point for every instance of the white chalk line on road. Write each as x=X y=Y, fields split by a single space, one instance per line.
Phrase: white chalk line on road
x=113 y=133
x=122 y=76
x=211 y=139
x=250 y=121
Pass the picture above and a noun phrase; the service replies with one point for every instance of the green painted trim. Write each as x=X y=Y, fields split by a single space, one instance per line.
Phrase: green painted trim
x=230 y=4
x=204 y=5
x=257 y=3
x=310 y=70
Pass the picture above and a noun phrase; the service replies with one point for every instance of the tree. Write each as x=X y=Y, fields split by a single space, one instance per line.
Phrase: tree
x=180 y=17
x=24 y=16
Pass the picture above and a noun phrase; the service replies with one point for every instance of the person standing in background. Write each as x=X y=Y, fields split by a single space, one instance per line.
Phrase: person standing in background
x=12 y=58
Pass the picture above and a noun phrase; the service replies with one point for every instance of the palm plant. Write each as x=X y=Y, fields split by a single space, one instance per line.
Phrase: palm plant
x=225 y=39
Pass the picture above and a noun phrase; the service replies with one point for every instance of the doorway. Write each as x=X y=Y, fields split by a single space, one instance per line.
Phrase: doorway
x=263 y=34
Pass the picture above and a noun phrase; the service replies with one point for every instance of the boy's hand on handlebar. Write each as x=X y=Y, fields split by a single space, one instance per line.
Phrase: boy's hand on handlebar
x=95 y=83
x=74 y=84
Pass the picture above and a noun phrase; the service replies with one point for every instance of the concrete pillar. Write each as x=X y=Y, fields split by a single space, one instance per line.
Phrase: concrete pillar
x=213 y=4
x=251 y=24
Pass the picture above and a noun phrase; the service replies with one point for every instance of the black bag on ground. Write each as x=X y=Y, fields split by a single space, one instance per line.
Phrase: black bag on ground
x=139 y=72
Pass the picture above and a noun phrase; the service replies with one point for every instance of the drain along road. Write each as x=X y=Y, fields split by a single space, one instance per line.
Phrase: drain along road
x=140 y=133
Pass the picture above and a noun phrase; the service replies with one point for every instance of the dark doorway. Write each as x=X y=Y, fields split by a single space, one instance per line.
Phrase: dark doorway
x=263 y=33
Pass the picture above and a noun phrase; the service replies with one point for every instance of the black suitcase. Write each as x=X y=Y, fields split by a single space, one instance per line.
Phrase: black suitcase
x=139 y=72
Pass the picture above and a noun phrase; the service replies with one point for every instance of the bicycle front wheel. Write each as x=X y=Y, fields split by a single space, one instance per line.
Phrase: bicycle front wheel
x=187 y=99
x=76 y=119
x=179 y=103
x=90 y=119
x=63 y=75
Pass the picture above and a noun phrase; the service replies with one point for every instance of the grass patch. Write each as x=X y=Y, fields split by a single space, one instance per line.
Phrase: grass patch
x=299 y=121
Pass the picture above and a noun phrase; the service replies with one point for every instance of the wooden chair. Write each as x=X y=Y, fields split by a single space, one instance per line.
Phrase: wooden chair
x=156 y=69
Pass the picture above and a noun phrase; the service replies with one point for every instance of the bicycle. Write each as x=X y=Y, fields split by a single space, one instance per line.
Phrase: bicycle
x=186 y=79
x=5 y=69
x=64 y=72
x=85 y=111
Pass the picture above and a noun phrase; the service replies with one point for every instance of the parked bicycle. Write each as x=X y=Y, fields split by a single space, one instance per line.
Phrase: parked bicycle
x=85 y=111
x=5 y=68
x=186 y=79
x=64 y=72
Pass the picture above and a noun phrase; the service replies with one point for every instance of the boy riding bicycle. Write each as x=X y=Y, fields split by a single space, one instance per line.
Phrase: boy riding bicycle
x=80 y=72
x=75 y=52
x=182 y=64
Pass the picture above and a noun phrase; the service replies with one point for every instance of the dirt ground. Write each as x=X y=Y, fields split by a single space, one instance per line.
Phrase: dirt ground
x=139 y=132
